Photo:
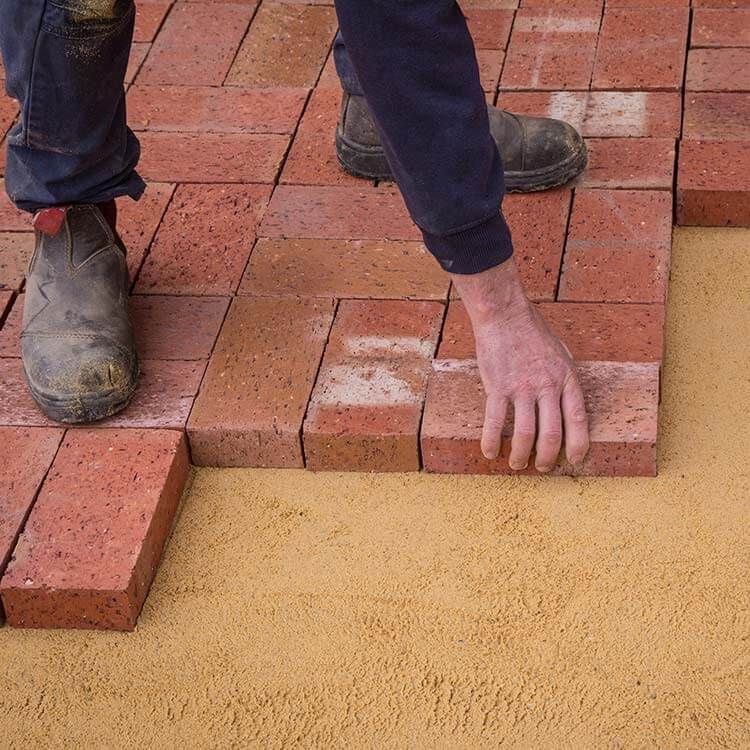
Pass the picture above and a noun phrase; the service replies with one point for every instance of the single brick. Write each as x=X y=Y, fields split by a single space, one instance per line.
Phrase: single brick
x=604 y=114
x=312 y=157
x=138 y=53
x=252 y=402
x=24 y=460
x=618 y=247
x=653 y=4
x=11 y=218
x=208 y=109
x=592 y=331
x=149 y=16
x=197 y=44
x=641 y=49
x=204 y=240
x=286 y=46
x=178 y=328
x=365 y=410
x=713 y=183
x=16 y=249
x=10 y=344
x=731 y=4
x=6 y=298
x=716 y=117
x=720 y=27
x=718 y=70
x=622 y=401
x=363 y=212
x=490 y=67
x=211 y=157
x=551 y=49
x=92 y=543
x=137 y=222
x=489 y=27
x=630 y=163
x=344 y=269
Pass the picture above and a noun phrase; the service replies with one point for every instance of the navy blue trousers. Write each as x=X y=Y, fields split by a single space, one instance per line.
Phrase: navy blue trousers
x=413 y=60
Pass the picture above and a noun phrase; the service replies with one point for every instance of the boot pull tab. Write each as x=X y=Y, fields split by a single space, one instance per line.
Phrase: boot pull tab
x=50 y=220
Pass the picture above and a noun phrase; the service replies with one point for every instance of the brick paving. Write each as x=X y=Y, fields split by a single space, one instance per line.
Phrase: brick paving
x=288 y=314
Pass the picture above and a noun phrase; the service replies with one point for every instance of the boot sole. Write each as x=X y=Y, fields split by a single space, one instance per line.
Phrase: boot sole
x=84 y=409
x=367 y=162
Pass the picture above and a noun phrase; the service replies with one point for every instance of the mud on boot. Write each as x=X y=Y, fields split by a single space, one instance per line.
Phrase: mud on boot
x=77 y=343
x=538 y=153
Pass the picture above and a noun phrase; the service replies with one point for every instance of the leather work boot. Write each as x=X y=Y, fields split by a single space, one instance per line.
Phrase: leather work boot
x=538 y=152
x=77 y=343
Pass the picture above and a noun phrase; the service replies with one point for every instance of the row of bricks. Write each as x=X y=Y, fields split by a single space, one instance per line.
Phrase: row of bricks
x=615 y=249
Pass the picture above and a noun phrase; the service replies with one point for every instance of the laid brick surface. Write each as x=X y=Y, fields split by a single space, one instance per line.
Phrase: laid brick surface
x=149 y=16
x=490 y=67
x=10 y=345
x=26 y=456
x=138 y=53
x=361 y=212
x=622 y=402
x=489 y=27
x=365 y=410
x=630 y=163
x=591 y=331
x=204 y=240
x=210 y=109
x=713 y=183
x=91 y=545
x=11 y=219
x=344 y=269
x=551 y=49
x=6 y=298
x=16 y=249
x=211 y=157
x=178 y=328
x=252 y=402
x=8 y=113
x=721 y=27
x=718 y=70
x=717 y=117
x=641 y=49
x=618 y=247
x=197 y=43
x=604 y=114
x=286 y=46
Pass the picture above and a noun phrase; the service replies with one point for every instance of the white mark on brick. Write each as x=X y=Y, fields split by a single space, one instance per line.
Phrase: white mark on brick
x=551 y=24
x=364 y=385
x=389 y=346
x=617 y=113
x=569 y=106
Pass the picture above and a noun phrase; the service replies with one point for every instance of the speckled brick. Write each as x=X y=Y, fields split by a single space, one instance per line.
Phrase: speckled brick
x=211 y=157
x=11 y=218
x=6 y=299
x=344 y=269
x=26 y=456
x=197 y=43
x=630 y=163
x=16 y=249
x=312 y=157
x=204 y=240
x=641 y=49
x=618 y=247
x=720 y=27
x=713 y=183
x=253 y=398
x=592 y=331
x=211 y=109
x=489 y=27
x=8 y=112
x=718 y=70
x=178 y=328
x=490 y=67
x=286 y=46
x=10 y=345
x=365 y=410
x=622 y=401
x=149 y=16
x=138 y=53
x=604 y=114
x=364 y=212
x=92 y=543
x=716 y=117
x=137 y=222
x=551 y=49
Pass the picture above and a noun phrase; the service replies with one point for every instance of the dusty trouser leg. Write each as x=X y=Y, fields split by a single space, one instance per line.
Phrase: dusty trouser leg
x=69 y=156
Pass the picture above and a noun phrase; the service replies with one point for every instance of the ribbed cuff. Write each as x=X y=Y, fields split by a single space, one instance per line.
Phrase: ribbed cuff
x=472 y=250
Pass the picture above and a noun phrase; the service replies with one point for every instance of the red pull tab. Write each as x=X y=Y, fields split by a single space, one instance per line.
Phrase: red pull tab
x=49 y=220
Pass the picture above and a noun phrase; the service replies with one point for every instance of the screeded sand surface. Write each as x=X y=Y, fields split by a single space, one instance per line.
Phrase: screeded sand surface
x=452 y=612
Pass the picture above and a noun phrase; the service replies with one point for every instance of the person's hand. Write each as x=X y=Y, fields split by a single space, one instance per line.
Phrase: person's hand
x=523 y=364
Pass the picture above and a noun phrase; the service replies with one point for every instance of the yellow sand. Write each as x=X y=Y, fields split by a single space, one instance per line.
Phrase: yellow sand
x=452 y=612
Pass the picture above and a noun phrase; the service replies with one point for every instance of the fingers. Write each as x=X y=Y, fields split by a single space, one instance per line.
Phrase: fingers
x=524 y=431
x=494 y=418
x=575 y=420
x=550 y=432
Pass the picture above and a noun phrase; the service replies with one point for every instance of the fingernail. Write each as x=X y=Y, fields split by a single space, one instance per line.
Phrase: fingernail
x=519 y=467
x=543 y=469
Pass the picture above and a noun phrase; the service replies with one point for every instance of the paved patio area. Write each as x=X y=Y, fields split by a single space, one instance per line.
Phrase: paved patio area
x=269 y=347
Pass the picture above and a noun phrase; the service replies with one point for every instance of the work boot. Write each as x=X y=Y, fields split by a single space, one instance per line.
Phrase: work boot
x=77 y=343
x=538 y=152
